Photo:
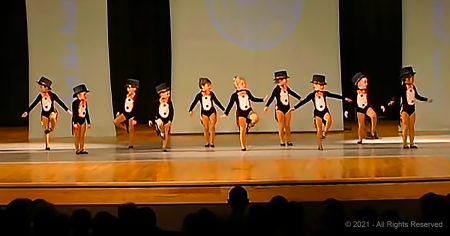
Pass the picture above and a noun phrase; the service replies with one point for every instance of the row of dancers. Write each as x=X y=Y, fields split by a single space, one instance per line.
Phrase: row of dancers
x=246 y=118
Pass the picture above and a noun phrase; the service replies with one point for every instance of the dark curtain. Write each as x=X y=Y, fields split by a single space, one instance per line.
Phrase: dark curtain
x=371 y=43
x=14 y=66
x=139 y=47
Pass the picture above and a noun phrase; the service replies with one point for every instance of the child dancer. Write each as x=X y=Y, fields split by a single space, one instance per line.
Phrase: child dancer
x=208 y=117
x=245 y=116
x=80 y=118
x=322 y=115
x=282 y=109
x=162 y=120
x=364 y=107
x=49 y=114
x=408 y=95
x=125 y=118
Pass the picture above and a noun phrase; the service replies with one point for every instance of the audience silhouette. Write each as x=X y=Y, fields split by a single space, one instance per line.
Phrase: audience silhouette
x=278 y=216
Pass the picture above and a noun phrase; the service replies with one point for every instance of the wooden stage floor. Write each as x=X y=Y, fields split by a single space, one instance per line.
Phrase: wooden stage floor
x=189 y=173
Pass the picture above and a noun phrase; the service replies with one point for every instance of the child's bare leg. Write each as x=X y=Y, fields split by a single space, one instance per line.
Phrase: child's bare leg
x=119 y=121
x=412 y=122
x=287 y=127
x=82 y=136
x=254 y=117
x=319 y=129
x=242 y=133
x=53 y=120
x=45 y=123
x=212 y=129
x=205 y=123
x=76 y=132
x=405 y=128
x=281 y=126
x=374 y=120
x=329 y=121
x=131 y=125
x=361 y=126
x=166 y=129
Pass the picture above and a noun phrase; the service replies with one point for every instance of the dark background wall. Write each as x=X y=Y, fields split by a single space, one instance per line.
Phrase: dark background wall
x=371 y=43
x=140 y=48
x=13 y=63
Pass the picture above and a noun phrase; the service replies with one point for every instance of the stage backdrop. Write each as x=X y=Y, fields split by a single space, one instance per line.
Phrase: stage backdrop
x=223 y=38
x=426 y=46
x=68 y=43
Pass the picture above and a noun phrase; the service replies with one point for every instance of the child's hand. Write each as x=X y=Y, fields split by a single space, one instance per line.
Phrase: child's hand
x=191 y=113
x=391 y=103
x=292 y=109
x=265 y=97
x=430 y=100
x=266 y=108
x=348 y=100
x=346 y=114
x=25 y=114
x=117 y=114
x=223 y=116
x=89 y=126
x=69 y=112
x=383 y=108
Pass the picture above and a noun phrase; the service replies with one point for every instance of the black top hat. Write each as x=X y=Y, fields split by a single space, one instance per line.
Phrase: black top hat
x=79 y=89
x=357 y=77
x=45 y=82
x=319 y=79
x=405 y=71
x=162 y=87
x=134 y=83
x=281 y=74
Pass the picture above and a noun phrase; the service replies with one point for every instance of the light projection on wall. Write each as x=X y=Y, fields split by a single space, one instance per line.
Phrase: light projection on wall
x=256 y=24
x=426 y=46
x=441 y=34
x=71 y=58
x=68 y=43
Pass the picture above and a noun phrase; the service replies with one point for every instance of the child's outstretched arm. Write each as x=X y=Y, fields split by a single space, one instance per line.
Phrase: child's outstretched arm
x=304 y=101
x=32 y=105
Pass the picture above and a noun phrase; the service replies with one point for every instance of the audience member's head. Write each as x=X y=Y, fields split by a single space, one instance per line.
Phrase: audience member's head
x=207 y=221
x=278 y=214
x=146 y=221
x=335 y=209
x=238 y=198
x=44 y=217
x=331 y=220
x=61 y=225
x=278 y=202
x=127 y=211
x=190 y=224
x=433 y=206
x=278 y=207
x=18 y=216
x=81 y=221
x=127 y=216
x=104 y=224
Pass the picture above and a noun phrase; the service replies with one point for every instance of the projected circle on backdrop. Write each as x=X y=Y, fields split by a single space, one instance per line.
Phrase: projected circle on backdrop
x=255 y=24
